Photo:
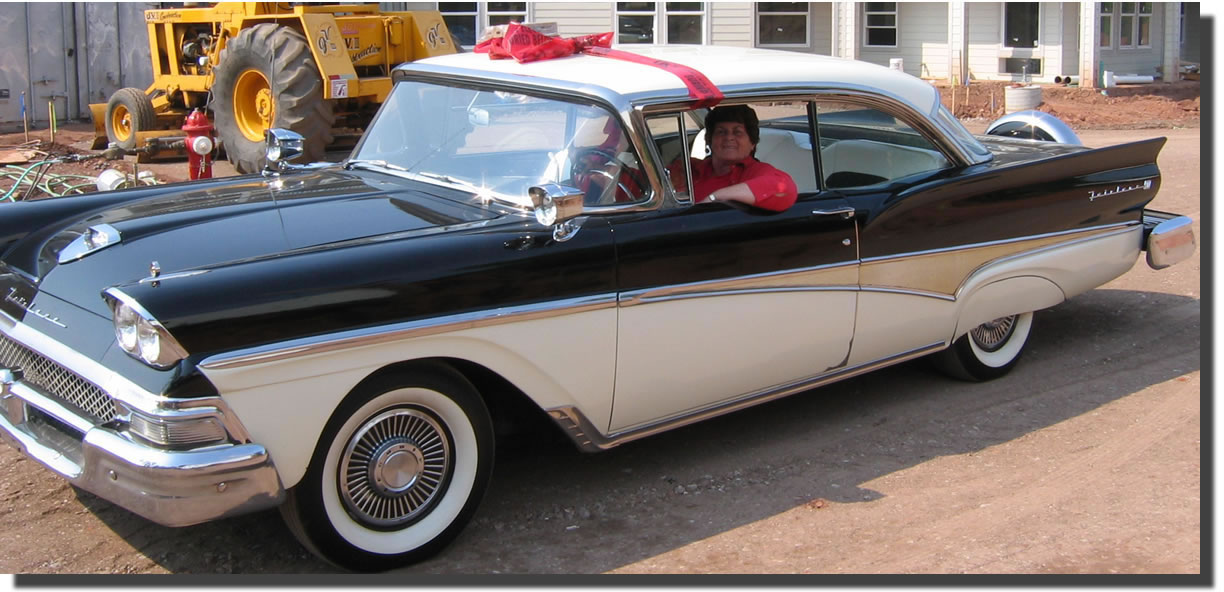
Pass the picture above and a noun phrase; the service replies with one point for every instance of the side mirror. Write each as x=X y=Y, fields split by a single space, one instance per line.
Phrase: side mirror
x=478 y=117
x=555 y=204
x=281 y=146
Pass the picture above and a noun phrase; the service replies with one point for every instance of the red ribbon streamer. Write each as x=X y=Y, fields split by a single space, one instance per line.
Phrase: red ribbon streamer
x=525 y=44
x=699 y=87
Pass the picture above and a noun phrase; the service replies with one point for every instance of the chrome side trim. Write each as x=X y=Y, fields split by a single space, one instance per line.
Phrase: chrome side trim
x=908 y=292
x=892 y=258
x=398 y=331
x=791 y=280
x=588 y=438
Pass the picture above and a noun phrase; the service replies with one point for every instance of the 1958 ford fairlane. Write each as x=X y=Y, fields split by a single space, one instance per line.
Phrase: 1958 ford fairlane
x=340 y=339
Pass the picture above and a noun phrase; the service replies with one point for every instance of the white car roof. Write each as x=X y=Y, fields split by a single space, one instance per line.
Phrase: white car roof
x=725 y=66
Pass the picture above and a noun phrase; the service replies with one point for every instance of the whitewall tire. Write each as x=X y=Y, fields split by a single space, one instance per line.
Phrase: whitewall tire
x=987 y=351
x=397 y=473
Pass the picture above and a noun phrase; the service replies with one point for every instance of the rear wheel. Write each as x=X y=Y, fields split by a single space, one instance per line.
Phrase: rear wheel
x=266 y=77
x=398 y=472
x=987 y=351
x=128 y=111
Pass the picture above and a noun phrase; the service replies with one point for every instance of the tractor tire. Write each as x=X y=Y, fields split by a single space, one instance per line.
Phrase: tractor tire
x=128 y=111
x=265 y=77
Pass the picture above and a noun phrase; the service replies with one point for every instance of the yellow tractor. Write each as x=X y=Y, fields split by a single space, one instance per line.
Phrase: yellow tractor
x=316 y=69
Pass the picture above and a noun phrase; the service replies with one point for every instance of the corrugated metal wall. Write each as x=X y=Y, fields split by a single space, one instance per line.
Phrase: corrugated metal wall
x=69 y=53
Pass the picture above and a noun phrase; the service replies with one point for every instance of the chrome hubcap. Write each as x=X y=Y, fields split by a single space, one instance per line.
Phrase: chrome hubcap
x=395 y=467
x=993 y=335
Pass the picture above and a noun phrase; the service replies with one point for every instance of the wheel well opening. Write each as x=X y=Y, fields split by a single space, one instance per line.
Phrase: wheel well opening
x=517 y=420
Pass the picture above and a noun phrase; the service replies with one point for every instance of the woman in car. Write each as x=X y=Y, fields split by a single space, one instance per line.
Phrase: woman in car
x=731 y=172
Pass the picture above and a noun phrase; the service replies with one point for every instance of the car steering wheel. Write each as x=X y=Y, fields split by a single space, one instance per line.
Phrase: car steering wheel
x=589 y=163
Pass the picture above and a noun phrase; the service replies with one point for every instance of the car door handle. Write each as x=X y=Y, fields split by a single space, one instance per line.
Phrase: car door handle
x=846 y=212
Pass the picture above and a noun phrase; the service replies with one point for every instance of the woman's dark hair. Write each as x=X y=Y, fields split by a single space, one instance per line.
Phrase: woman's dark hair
x=734 y=114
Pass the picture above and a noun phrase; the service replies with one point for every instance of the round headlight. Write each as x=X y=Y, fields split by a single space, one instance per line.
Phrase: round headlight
x=126 y=332
x=141 y=335
x=149 y=341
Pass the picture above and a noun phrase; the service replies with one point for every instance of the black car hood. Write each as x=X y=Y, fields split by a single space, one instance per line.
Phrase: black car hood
x=194 y=226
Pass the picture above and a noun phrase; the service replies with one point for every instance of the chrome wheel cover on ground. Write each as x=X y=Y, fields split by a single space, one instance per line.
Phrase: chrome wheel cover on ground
x=993 y=335
x=395 y=467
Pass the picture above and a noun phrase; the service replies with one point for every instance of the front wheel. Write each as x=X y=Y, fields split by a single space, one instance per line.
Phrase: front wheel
x=398 y=472
x=987 y=351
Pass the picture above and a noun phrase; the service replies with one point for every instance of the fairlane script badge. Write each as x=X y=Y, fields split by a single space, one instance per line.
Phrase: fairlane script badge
x=1093 y=195
x=25 y=304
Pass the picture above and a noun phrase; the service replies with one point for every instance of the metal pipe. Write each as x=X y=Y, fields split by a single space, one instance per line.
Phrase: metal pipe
x=29 y=65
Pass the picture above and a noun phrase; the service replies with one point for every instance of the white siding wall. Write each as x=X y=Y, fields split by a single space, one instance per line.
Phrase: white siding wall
x=731 y=23
x=1050 y=41
x=985 y=38
x=820 y=27
x=576 y=18
x=922 y=39
x=1071 y=37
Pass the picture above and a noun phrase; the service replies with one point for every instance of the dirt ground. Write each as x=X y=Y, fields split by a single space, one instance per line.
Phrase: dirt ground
x=1135 y=106
x=1084 y=460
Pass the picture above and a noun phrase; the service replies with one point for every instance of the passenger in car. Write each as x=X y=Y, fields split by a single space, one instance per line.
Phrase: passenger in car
x=732 y=172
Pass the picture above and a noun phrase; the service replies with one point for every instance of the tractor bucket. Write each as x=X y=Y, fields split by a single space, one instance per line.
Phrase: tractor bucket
x=97 y=112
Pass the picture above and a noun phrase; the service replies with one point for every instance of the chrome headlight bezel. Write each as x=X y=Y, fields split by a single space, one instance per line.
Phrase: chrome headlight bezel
x=139 y=334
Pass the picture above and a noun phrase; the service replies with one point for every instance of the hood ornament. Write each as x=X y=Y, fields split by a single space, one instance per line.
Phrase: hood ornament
x=94 y=238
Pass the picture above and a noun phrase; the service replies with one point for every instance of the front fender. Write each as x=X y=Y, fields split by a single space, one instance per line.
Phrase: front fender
x=284 y=397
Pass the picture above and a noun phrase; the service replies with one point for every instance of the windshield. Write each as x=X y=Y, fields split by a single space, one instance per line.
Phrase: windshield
x=497 y=144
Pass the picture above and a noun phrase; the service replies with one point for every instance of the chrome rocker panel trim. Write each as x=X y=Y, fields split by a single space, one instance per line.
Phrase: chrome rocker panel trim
x=589 y=439
x=170 y=487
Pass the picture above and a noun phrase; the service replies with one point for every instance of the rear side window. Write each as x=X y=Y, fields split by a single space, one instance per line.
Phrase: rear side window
x=862 y=146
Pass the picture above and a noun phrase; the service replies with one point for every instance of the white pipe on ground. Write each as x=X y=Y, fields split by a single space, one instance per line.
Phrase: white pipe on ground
x=1133 y=79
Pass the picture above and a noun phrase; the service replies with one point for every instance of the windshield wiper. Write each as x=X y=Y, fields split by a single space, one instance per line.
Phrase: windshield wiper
x=382 y=164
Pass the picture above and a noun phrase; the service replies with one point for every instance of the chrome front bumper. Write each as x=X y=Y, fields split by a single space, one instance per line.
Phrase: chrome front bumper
x=173 y=487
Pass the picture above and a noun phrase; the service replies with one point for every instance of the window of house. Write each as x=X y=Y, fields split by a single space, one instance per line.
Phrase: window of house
x=1144 y=23
x=1107 y=24
x=1021 y=23
x=880 y=20
x=782 y=23
x=467 y=20
x=682 y=22
x=1126 y=25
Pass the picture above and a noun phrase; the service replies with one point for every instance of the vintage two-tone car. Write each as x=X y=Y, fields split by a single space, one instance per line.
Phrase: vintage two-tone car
x=340 y=339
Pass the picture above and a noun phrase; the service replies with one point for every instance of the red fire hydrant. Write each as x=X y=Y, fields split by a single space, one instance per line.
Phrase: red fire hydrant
x=200 y=145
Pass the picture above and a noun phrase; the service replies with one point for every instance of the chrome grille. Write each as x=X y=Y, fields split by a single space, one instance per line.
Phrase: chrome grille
x=56 y=381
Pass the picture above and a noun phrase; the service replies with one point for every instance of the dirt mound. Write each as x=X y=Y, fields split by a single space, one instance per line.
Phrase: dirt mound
x=1144 y=106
